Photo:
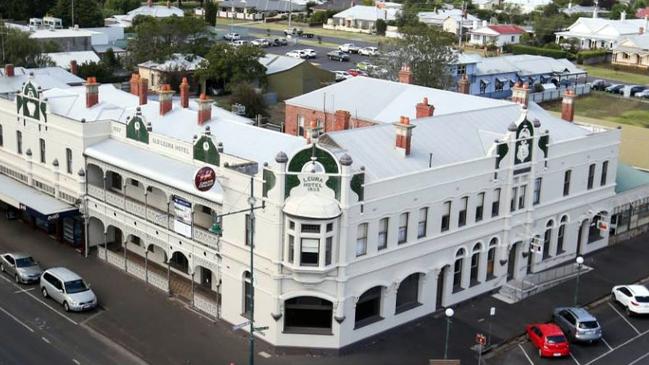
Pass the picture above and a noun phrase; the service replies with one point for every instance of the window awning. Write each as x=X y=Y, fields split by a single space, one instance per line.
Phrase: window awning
x=502 y=79
x=22 y=196
x=486 y=82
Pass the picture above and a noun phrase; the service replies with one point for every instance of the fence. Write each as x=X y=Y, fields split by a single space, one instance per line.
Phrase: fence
x=517 y=290
x=134 y=268
x=549 y=95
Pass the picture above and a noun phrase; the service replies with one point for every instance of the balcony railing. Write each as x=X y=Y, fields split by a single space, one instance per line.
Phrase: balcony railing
x=206 y=237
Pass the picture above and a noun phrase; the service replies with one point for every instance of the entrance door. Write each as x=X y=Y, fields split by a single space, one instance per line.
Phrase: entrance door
x=511 y=263
x=440 y=287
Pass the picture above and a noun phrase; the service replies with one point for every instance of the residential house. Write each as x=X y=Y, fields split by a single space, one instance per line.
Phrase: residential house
x=71 y=60
x=632 y=51
x=156 y=11
x=288 y=77
x=449 y=20
x=595 y=32
x=170 y=71
x=257 y=9
x=363 y=18
x=496 y=34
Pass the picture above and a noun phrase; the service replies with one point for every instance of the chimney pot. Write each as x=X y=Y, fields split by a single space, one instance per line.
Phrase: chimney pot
x=9 y=70
x=521 y=93
x=143 y=90
x=343 y=118
x=463 y=85
x=135 y=84
x=424 y=109
x=204 y=109
x=92 y=92
x=74 y=68
x=568 y=106
x=403 y=136
x=184 y=93
x=405 y=75
x=166 y=102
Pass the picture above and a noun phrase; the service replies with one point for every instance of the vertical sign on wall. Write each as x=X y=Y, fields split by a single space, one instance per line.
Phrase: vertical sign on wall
x=183 y=222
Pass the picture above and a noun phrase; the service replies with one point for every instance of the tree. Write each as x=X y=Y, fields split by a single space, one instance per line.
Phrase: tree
x=21 y=50
x=427 y=50
x=381 y=27
x=545 y=27
x=87 y=13
x=210 y=13
x=225 y=66
x=24 y=9
x=121 y=6
x=245 y=94
x=158 y=39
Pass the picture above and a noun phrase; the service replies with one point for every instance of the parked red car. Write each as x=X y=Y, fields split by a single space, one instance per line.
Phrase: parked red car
x=549 y=339
x=356 y=72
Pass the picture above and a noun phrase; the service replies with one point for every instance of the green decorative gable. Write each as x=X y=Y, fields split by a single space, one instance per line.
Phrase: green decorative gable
x=323 y=156
x=205 y=150
x=544 y=140
x=136 y=129
x=502 y=151
x=28 y=103
x=334 y=184
x=524 y=142
x=357 y=183
x=269 y=182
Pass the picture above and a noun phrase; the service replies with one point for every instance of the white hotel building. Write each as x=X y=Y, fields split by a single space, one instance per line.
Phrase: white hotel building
x=361 y=230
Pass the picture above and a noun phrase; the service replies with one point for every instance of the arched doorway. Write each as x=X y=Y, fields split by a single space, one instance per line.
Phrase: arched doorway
x=95 y=232
x=114 y=238
x=512 y=262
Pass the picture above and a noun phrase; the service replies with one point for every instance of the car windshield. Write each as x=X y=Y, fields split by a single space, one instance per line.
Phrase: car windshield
x=75 y=286
x=642 y=299
x=556 y=339
x=25 y=262
x=588 y=324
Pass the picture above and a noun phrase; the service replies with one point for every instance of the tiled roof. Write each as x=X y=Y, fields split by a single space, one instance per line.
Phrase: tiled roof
x=506 y=28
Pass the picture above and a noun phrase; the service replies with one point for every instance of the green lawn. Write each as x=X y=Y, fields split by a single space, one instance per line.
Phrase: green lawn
x=609 y=108
x=606 y=72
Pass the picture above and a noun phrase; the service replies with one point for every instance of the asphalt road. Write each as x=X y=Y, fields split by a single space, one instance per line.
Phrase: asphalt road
x=34 y=328
x=625 y=342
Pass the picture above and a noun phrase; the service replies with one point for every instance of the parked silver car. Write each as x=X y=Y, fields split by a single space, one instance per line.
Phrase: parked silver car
x=22 y=267
x=67 y=288
x=578 y=324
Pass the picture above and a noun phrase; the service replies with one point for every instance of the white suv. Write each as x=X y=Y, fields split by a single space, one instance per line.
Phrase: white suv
x=634 y=298
x=67 y=288
x=349 y=48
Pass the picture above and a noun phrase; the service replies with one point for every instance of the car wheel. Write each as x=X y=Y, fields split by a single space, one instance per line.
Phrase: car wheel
x=2 y=267
x=612 y=298
x=628 y=311
x=17 y=279
x=540 y=353
x=66 y=307
x=44 y=292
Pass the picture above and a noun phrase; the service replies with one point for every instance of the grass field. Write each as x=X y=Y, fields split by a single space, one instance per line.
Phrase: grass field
x=609 y=108
x=605 y=72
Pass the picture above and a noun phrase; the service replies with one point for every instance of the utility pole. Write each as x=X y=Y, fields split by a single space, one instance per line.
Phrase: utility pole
x=72 y=13
x=251 y=232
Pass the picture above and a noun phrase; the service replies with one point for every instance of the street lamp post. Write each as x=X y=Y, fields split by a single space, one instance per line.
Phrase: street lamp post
x=251 y=230
x=449 y=313
x=580 y=262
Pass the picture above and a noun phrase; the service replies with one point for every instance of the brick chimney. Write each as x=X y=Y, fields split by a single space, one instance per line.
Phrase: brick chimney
x=405 y=75
x=424 y=109
x=184 y=93
x=143 y=90
x=404 y=136
x=568 y=106
x=92 y=92
x=74 y=68
x=521 y=93
x=135 y=84
x=166 y=95
x=149 y=3
x=463 y=86
x=204 y=109
x=9 y=70
x=342 y=120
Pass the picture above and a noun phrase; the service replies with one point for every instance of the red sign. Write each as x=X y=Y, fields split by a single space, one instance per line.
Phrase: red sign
x=204 y=178
x=480 y=339
x=603 y=226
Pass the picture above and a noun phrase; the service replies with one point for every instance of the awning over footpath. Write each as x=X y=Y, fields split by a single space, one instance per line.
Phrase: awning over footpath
x=25 y=197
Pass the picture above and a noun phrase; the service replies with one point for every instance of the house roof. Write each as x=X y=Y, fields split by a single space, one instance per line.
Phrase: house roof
x=61 y=33
x=634 y=43
x=369 y=13
x=383 y=101
x=46 y=78
x=264 y=5
x=180 y=123
x=642 y=12
x=599 y=28
x=525 y=65
x=62 y=59
x=438 y=17
x=157 y=11
x=451 y=138
x=177 y=62
x=506 y=28
x=277 y=63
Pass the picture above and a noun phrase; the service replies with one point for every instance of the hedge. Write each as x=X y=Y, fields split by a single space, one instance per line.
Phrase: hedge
x=549 y=52
x=595 y=53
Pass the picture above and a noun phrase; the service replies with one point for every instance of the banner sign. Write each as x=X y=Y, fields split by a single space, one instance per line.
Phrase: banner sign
x=204 y=178
x=183 y=212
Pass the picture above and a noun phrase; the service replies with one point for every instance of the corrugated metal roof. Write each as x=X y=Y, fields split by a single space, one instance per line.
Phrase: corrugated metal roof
x=263 y=5
x=383 y=101
x=277 y=63
x=525 y=65
x=62 y=59
x=451 y=138
x=369 y=13
x=46 y=78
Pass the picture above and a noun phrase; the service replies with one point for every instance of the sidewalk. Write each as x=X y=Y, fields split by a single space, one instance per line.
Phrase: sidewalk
x=163 y=331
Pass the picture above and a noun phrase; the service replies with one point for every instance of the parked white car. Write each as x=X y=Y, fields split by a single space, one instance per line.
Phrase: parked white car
x=239 y=43
x=231 y=36
x=261 y=42
x=310 y=53
x=349 y=48
x=368 y=51
x=68 y=289
x=642 y=94
x=342 y=75
x=298 y=53
x=634 y=298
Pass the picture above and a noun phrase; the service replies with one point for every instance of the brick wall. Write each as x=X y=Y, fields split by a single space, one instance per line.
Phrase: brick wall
x=291 y=117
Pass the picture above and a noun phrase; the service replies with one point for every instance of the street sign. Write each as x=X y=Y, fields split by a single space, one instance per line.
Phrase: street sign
x=240 y=325
x=480 y=339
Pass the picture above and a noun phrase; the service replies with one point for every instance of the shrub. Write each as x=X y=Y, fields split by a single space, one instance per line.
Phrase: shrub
x=548 y=52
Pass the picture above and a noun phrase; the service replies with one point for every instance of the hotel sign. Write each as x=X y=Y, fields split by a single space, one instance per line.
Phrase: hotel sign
x=313 y=183
x=204 y=178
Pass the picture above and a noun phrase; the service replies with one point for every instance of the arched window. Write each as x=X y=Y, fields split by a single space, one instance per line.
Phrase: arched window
x=491 y=258
x=561 y=235
x=547 y=239
x=475 y=263
x=368 y=307
x=457 y=270
x=408 y=293
x=309 y=315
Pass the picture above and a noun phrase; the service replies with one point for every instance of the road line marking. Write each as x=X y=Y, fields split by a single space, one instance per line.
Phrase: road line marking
x=624 y=318
x=575 y=359
x=606 y=343
x=16 y=319
x=264 y=354
x=638 y=359
x=91 y=317
x=617 y=347
x=43 y=303
x=5 y=279
x=525 y=353
x=46 y=340
x=76 y=361
x=24 y=290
